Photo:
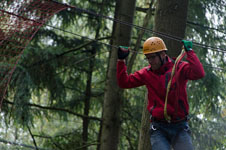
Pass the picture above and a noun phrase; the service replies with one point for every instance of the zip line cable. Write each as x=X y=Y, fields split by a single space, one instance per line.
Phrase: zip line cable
x=87 y=58
x=85 y=37
x=126 y=23
x=65 y=52
x=109 y=45
x=215 y=68
x=129 y=24
x=195 y=43
x=188 y=22
x=206 y=27
x=82 y=60
x=142 y=28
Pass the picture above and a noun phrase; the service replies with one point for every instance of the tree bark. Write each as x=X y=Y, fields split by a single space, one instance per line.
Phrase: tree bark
x=144 y=138
x=89 y=83
x=170 y=19
x=140 y=35
x=87 y=101
x=112 y=98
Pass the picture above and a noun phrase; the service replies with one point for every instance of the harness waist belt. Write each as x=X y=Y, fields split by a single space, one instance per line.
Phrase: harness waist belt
x=171 y=121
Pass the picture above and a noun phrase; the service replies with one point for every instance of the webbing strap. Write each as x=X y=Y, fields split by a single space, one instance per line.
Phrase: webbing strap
x=167 y=117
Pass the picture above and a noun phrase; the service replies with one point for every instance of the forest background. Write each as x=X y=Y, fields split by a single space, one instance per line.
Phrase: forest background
x=63 y=94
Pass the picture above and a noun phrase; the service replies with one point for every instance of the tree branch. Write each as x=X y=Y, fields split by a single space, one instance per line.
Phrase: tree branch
x=57 y=109
x=32 y=137
x=95 y=143
x=69 y=51
x=19 y=144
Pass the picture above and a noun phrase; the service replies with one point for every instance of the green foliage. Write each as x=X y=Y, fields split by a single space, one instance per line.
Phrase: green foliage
x=207 y=95
x=67 y=140
x=21 y=85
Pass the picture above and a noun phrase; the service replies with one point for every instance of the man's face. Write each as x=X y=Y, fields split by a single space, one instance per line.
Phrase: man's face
x=154 y=60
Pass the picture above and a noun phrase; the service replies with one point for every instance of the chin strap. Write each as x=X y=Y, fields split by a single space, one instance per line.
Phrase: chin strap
x=162 y=61
x=167 y=117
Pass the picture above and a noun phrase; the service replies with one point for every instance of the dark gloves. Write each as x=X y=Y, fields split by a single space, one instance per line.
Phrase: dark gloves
x=123 y=52
x=187 y=45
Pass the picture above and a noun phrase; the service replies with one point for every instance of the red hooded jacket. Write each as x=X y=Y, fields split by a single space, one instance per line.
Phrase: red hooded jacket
x=157 y=81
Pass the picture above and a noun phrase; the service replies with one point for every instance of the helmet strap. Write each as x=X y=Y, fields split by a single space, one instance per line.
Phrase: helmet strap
x=162 y=61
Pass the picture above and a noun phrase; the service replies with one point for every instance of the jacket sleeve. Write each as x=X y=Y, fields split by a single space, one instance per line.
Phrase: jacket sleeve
x=194 y=69
x=128 y=81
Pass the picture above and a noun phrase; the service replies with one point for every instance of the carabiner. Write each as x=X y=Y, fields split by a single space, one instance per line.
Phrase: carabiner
x=153 y=127
x=187 y=128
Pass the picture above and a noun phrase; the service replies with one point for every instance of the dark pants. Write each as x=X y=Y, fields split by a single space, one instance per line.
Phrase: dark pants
x=167 y=135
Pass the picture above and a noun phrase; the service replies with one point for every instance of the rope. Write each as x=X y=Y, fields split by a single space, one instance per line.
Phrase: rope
x=167 y=117
x=169 y=36
x=109 y=45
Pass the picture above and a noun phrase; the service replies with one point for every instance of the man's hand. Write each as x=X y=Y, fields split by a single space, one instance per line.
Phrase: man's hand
x=123 y=52
x=187 y=45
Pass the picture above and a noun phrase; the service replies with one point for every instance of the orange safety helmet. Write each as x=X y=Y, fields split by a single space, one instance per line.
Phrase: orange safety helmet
x=153 y=45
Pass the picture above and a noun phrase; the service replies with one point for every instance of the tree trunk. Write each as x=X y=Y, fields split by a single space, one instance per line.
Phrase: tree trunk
x=170 y=19
x=112 y=97
x=140 y=35
x=144 y=138
x=88 y=92
x=87 y=101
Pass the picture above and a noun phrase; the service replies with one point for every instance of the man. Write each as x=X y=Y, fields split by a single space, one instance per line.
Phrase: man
x=169 y=122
